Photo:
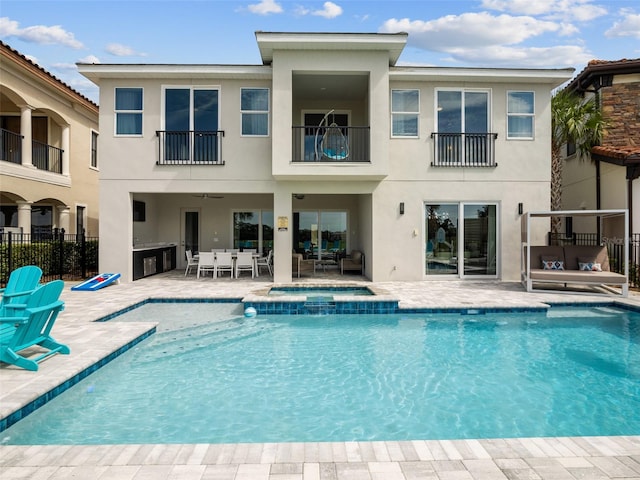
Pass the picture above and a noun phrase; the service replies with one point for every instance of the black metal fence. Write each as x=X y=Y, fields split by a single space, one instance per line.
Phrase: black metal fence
x=59 y=255
x=615 y=249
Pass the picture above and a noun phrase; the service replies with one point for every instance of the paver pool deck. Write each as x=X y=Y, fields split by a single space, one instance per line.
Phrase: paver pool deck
x=90 y=341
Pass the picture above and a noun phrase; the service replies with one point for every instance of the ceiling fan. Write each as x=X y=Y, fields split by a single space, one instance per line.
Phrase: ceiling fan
x=208 y=195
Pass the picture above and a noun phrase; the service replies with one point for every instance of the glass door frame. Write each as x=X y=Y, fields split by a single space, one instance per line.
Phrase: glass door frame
x=316 y=246
x=460 y=239
x=182 y=261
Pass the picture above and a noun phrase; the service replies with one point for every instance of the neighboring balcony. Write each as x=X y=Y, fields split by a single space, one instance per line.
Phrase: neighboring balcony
x=43 y=156
x=190 y=147
x=330 y=144
x=464 y=149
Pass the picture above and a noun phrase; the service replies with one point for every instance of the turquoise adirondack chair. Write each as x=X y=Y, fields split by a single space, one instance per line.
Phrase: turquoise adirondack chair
x=22 y=282
x=31 y=326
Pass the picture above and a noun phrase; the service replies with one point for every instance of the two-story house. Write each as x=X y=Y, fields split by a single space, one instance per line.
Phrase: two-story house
x=48 y=151
x=610 y=176
x=327 y=146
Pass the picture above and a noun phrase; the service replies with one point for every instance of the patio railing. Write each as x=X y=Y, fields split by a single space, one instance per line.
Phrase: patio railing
x=59 y=255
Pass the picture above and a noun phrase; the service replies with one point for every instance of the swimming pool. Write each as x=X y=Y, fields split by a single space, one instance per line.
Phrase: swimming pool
x=228 y=379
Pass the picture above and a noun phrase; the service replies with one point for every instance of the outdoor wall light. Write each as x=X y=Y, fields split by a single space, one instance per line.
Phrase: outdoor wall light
x=401 y=208
x=520 y=208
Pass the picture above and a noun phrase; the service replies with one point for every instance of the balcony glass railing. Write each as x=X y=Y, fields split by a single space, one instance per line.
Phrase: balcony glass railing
x=330 y=144
x=464 y=149
x=190 y=147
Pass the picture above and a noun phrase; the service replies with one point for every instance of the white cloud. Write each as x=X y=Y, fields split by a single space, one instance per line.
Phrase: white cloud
x=483 y=39
x=534 y=57
x=329 y=10
x=41 y=34
x=520 y=7
x=89 y=59
x=265 y=7
x=569 y=10
x=120 y=50
x=63 y=66
x=469 y=30
x=629 y=26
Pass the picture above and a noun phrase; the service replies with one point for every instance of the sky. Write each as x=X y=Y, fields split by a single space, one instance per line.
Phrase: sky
x=476 y=33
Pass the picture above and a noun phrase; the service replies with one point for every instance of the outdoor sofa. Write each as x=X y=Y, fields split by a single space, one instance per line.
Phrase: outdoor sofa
x=572 y=264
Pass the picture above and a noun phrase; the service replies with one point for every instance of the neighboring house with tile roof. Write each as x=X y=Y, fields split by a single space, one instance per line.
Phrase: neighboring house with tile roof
x=610 y=178
x=48 y=151
x=326 y=147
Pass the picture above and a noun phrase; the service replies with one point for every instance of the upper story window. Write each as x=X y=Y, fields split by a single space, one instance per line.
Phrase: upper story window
x=254 y=109
x=94 y=149
x=191 y=135
x=463 y=137
x=191 y=109
x=405 y=110
x=128 y=111
x=462 y=111
x=520 y=115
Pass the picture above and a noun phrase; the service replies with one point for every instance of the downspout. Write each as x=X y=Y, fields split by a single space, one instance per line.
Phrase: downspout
x=630 y=203
x=598 y=197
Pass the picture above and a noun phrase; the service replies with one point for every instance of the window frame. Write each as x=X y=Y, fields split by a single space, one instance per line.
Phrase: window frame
x=531 y=115
x=116 y=112
x=93 y=160
x=192 y=89
x=266 y=112
x=405 y=113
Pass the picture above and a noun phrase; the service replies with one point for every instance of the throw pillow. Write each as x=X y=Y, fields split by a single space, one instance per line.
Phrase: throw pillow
x=553 y=265
x=589 y=266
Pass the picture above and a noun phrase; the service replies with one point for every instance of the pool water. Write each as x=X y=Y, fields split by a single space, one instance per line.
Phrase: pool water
x=320 y=291
x=568 y=372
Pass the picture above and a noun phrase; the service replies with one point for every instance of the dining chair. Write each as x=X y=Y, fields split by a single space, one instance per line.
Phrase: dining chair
x=250 y=250
x=265 y=262
x=206 y=263
x=191 y=262
x=224 y=263
x=245 y=263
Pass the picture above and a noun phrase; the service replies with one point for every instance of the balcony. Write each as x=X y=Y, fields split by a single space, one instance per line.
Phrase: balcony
x=464 y=149
x=348 y=145
x=43 y=156
x=190 y=147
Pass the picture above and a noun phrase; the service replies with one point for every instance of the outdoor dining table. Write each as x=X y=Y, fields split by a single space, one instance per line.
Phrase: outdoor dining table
x=234 y=255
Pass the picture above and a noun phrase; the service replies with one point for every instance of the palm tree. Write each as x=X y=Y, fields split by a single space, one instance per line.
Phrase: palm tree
x=572 y=120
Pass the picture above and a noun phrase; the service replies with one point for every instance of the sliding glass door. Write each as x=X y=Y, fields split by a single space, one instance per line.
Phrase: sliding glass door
x=320 y=234
x=253 y=229
x=474 y=239
x=479 y=239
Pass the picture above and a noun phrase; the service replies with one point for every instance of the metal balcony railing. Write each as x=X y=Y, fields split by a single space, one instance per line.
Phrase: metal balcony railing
x=46 y=157
x=10 y=146
x=464 y=149
x=190 y=147
x=306 y=145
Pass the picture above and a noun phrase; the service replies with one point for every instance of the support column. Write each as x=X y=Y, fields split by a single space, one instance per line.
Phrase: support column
x=65 y=150
x=26 y=132
x=24 y=216
x=63 y=217
x=282 y=236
